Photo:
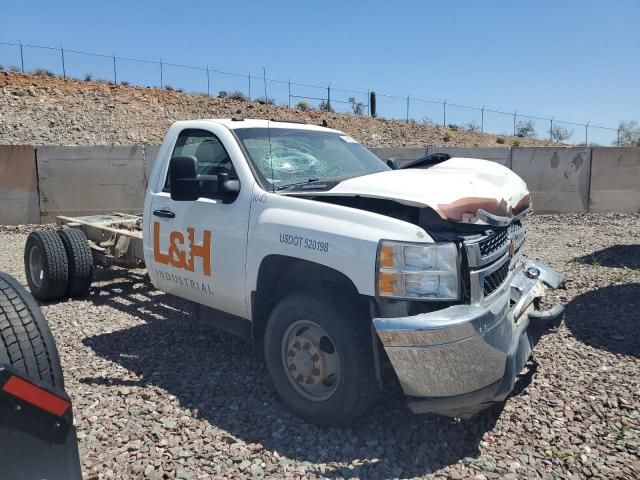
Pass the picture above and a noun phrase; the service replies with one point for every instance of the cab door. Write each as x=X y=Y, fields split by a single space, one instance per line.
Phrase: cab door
x=199 y=247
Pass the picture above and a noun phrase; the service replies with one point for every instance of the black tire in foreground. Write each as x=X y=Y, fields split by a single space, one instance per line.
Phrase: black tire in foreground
x=318 y=351
x=26 y=342
x=80 y=261
x=46 y=265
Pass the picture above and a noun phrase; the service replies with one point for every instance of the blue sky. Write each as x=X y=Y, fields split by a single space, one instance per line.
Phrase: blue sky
x=575 y=60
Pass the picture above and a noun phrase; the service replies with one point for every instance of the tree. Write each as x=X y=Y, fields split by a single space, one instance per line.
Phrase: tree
x=358 y=108
x=525 y=129
x=629 y=134
x=472 y=126
x=559 y=134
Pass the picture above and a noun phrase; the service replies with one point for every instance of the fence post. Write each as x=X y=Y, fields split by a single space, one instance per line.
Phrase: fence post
x=64 y=70
x=208 y=89
x=515 y=114
x=586 y=134
x=115 y=71
x=618 y=142
x=444 y=113
x=161 y=75
x=289 y=92
x=21 y=57
x=551 y=130
x=368 y=102
x=407 y=108
x=329 y=97
x=249 y=77
x=482 y=120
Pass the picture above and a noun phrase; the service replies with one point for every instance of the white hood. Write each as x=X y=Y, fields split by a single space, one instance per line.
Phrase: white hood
x=455 y=189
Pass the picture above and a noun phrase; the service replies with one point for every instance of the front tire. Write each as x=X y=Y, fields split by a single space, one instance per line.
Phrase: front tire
x=318 y=351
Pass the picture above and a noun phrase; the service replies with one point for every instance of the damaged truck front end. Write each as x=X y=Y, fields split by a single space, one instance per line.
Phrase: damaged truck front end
x=456 y=356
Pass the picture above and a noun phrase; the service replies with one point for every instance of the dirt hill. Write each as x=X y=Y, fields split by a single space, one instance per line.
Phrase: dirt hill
x=47 y=110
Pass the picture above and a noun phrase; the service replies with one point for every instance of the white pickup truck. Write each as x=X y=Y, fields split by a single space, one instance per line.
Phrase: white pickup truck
x=334 y=263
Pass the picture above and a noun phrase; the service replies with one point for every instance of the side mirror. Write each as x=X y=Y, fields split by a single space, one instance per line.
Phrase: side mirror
x=392 y=163
x=186 y=185
x=183 y=178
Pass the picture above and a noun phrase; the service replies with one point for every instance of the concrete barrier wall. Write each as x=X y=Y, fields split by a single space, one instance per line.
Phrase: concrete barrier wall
x=558 y=178
x=501 y=155
x=90 y=180
x=18 y=185
x=615 y=180
x=38 y=184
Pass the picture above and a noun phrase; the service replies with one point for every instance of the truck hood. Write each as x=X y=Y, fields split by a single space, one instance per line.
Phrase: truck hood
x=459 y=189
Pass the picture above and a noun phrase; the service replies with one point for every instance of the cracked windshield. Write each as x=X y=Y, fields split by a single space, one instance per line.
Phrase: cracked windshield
x=303 y=156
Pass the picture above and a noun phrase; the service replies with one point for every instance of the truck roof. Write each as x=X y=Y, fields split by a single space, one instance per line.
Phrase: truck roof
x=234 y=124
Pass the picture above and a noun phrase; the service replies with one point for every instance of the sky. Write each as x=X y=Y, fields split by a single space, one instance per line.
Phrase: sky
x=577 y=61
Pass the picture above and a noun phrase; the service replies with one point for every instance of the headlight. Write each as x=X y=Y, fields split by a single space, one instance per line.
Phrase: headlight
x=418 y=271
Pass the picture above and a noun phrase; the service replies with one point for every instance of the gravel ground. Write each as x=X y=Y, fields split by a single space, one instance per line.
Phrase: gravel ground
x=157 y=396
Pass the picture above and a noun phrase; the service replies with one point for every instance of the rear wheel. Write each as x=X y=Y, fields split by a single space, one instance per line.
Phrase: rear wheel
x=46 y=265
x=26 y=342
x=319 y=356
x=80 y=261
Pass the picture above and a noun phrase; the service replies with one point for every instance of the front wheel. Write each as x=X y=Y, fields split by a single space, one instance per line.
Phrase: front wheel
x=319 y=356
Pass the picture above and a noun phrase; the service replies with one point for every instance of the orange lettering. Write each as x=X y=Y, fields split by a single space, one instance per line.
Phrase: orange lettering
x=203 y=251
x=177 y=256
x=158 y=256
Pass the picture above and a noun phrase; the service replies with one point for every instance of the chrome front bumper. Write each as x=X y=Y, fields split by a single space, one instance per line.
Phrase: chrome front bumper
x=457 y=360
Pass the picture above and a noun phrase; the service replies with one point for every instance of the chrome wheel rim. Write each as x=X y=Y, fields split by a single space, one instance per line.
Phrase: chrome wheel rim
x=36 y=271
x=310 y=360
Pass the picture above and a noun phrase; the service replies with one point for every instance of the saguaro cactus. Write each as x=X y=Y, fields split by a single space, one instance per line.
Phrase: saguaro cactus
x=372 y=103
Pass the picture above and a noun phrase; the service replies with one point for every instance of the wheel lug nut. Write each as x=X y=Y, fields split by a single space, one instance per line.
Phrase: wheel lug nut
x=315 y=357
x=296 y=345
x=299 y=378
x=315 y=372
x=292 y=366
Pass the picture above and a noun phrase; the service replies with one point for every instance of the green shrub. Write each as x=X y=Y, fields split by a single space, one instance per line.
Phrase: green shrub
x=325 y=107
x=223 y=94
x=500 y=140
x=266 y=101
x=454 y=127
x=43 y=72
x=88 y=77
x=238 y=95
x=446 y=137
x=303 y=105
x=14 y=68
x=169 y=87
x=124 y=83
x=516 y=143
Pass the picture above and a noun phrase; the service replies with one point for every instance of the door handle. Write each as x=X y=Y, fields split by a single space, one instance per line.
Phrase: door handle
x=164 y=213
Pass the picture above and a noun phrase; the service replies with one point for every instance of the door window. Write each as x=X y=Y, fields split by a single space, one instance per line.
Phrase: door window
x=211 y=154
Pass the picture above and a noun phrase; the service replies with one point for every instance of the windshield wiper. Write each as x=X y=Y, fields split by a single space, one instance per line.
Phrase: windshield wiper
x=316 y=183
x=297 y=184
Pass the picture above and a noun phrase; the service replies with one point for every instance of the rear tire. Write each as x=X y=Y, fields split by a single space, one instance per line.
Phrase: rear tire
x=80 y=261
x=46 y=265
x=310 y=387
x=26 y=342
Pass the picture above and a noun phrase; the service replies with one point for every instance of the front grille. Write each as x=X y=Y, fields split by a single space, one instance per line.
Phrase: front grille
x=489 y=259
x=493 y=242
x=494 y=280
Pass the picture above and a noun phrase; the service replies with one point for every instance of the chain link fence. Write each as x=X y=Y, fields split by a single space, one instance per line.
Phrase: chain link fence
x=68 y=63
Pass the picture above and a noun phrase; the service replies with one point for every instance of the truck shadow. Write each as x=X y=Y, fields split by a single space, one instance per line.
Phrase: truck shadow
x=615 y=256
x=216 y=376
x=607 y=318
